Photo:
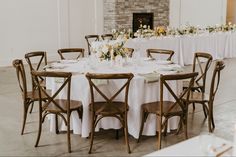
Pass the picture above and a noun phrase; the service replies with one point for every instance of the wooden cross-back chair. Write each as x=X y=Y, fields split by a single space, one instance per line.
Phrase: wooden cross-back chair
x=36 y=60
x=109 y=107
x=202 y=68
x=107 y=36
x=28 y=96
x=56 y=106
x=79 y=51
x=165 y=110
x=207 y=100
x=90 y=39
x=168 y=53
x=129 y=51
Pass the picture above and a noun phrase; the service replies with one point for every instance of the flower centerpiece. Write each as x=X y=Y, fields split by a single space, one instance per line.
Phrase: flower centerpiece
x=109 y=50
x=144 y=31
x=160 y=31
x=122 y=34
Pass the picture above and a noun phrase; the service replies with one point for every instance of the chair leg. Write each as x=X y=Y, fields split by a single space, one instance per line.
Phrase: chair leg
x=68 y=133
x=204 y=110
x=26 y=106
x=56 y=123
x=117 y=134
x=165 y=131
x=32 y=106
x=144 y=117
x=126 y=134
x=212 y=120
x=180 y=126
x=193 y=106
x=159 y=132
x=40 y=127
x=212 y=116
x=209 y=123
x=185 y=123
x=92 y=133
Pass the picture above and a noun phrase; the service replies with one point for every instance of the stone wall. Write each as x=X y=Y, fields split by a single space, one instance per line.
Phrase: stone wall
x=118 y=14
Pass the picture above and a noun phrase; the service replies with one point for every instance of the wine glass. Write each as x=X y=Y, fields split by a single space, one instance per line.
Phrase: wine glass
x=206 y=142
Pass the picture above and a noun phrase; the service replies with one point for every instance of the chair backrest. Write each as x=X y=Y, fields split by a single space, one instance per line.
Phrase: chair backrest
x=65 y=81
x=93 y=87
x=20 y=72
x=79 y=51
x=107 y=36
x=219 y=65
x=36 y=60
x=203 y=66
x=165 y=81
x=168 y=53
x=38 y=57
x=90 y=39
x=129 y=52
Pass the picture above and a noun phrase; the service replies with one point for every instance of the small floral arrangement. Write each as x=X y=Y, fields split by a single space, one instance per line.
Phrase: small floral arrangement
x=109 y=50
x=160 y=31
x=221 y=28
x=144 y=31
x=122 y=34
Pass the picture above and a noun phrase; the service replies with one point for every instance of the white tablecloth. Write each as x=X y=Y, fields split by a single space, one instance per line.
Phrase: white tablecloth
x=219 y=45
x=140 y=92
x=197 y=146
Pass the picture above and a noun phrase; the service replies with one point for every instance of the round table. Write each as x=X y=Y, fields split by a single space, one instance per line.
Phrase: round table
x=143 y=89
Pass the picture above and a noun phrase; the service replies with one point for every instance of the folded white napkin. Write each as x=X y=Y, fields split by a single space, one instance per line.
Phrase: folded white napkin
x=164 y=62
x=173 y=67
x=68 y=61
x=151 y=77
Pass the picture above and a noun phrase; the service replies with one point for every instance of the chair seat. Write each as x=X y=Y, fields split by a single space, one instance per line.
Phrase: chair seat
x=195 y=86
x=74 y=105
x=197 y=97
x=105 y=109
x=154 y=107
x=34 y=95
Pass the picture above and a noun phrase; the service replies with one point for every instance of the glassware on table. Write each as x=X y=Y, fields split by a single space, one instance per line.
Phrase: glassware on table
x=206 y=142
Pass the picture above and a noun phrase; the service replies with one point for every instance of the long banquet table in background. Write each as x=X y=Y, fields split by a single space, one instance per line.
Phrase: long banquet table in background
x=220 y=45
x=140 y=92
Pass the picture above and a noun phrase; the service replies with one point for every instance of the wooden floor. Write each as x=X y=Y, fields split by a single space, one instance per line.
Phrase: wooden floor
x=105 y=144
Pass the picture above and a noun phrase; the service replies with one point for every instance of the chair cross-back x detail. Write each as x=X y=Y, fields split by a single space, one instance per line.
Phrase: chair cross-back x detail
x=107 y=36
x=202 y=68
x=168 y=53
x=129 y=51
x=165 y=110
x=109 y=107
x=56 y=106
x=28 y=96
x=63 y=52
x=90 y=39
x=36 y=60
x=207 y=100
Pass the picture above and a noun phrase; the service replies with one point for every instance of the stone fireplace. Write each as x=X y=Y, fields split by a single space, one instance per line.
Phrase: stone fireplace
x=118 y=14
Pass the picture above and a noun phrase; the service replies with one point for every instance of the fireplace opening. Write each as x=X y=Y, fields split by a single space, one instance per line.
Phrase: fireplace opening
x=142 y=19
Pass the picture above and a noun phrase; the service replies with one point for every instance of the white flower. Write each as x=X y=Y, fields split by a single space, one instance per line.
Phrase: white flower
x=99 y=54
x=144 y=26
x=118 y=58
x=113 y=31
x=105 y=49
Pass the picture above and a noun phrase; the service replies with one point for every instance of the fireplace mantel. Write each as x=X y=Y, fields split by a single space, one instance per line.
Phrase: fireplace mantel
x=118 y=14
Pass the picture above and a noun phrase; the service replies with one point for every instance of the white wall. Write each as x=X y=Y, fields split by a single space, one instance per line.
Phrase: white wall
x=197 y=12
x=30 y=25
